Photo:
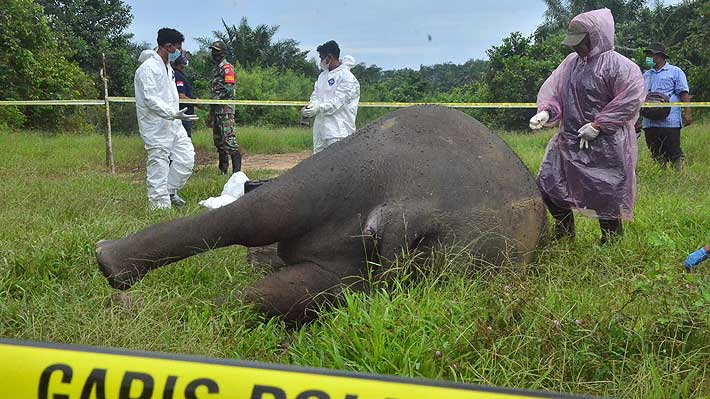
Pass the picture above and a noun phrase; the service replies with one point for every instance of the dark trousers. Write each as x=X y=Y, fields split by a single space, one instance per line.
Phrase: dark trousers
x=564 y=222
x=188 y=127
x=664 y=144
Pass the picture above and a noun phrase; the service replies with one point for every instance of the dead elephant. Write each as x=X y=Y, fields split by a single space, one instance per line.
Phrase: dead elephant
x=415 y=179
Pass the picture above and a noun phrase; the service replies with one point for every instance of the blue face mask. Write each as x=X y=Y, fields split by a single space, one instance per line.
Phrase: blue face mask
x=173 y=56
x=650 y=63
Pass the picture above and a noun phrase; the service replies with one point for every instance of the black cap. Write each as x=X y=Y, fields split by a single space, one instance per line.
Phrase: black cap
x=656 y=48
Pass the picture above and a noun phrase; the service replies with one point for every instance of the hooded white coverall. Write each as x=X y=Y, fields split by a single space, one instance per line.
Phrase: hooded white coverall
x=164 y=136
x=337 y=94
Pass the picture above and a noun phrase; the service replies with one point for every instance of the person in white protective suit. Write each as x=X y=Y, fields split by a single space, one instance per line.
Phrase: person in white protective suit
x=335 y=98
x=171 y=155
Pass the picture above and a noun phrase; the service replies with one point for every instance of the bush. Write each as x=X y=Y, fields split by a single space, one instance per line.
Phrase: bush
x=37 y=70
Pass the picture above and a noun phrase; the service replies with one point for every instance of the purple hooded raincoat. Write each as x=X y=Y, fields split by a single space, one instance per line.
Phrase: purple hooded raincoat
x=606 y=88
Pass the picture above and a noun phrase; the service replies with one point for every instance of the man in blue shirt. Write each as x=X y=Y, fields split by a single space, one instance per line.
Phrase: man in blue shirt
x=184 y=89
x=663 y=136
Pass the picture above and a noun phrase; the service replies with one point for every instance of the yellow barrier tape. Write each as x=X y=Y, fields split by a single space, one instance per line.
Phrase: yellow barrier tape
x=43 y=371
x=300 y=103
x=52 y=102
x=366 y=104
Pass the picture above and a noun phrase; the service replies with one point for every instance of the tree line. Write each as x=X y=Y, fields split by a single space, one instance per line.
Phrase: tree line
x=53 y=50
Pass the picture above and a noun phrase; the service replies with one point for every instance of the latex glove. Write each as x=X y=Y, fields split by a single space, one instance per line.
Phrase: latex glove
x=539 y=120
x=695 y=258
x=586 y=134
x=311 y=110
x=183 y=116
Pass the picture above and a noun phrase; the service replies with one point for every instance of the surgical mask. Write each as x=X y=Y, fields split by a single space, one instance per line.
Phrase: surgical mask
x=173 y=56
x=650 y=63
x=323 y=66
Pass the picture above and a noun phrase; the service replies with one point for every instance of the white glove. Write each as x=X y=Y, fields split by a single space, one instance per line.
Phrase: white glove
x=183 y=116
x=539 y=120
x=586 y=134
x=311 y=110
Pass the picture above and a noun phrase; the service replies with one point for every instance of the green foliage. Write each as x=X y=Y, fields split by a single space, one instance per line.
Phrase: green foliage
x=34 y=68
x=559 y=13
x=266 y=83
x=88 y=29
x=255 y=47
x=517 y=70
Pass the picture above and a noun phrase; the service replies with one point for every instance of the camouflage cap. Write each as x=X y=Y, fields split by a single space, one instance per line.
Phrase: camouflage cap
x=218 y=46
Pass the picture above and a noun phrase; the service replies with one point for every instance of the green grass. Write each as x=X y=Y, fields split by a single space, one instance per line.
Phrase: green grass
x=262 y=140
x=619 y=320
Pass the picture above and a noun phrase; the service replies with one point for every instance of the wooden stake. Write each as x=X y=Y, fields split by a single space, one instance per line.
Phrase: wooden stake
x=109 y=145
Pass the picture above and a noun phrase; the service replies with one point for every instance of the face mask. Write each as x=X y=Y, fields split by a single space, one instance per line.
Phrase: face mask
x=650 y=63
x=324 y=65
x=173 y=56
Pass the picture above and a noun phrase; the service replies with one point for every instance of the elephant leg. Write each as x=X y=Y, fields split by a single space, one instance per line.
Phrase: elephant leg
x=298 y=291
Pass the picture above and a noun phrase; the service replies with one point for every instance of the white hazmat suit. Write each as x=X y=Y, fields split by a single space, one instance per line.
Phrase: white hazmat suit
x=337 y=95
x=165 y=139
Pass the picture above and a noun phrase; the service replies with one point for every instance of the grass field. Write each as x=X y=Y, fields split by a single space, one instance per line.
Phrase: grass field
x=618 y=320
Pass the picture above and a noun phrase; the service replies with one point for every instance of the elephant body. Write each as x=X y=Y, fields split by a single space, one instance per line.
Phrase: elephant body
x=417 y=178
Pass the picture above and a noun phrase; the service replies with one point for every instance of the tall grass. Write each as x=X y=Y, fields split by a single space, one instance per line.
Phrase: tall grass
x=617 y=320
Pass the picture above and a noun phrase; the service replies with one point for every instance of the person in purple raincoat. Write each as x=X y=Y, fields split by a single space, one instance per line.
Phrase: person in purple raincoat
x=594 y=95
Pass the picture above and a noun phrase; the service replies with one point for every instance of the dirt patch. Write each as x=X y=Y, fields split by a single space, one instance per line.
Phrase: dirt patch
x=274 y=161
x=206 y=159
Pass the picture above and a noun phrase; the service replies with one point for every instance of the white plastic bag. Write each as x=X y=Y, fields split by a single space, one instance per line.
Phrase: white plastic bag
x=232 y=191
x=235 y=185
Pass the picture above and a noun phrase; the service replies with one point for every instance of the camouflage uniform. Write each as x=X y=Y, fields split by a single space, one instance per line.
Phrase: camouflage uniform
x=223 y=133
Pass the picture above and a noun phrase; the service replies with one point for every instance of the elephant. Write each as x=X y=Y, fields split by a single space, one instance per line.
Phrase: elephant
x=417 y=179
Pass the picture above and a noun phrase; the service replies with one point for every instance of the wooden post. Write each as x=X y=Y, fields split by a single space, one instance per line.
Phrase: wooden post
x=109 y=144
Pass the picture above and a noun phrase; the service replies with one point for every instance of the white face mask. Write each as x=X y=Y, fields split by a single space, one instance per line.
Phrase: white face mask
x=323 y=66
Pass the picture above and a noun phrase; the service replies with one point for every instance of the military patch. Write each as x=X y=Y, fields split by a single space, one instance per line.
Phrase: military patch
x=229 y=74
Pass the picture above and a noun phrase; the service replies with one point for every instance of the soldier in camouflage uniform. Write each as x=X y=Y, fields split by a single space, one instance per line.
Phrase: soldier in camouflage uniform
x=222 y=116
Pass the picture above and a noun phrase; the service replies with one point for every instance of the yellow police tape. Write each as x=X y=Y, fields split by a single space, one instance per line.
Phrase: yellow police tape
x=52 y=102
x=43 y=371
x=299 y=103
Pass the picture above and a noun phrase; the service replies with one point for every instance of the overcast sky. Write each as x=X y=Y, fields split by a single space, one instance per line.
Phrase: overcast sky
x=391 y=34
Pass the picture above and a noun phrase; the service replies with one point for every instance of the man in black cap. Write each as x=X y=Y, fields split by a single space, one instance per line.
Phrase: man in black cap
x=663 y=134
x=221 y=117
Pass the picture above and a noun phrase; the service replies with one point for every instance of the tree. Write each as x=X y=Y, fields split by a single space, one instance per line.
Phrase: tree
x=88 y=28
x=560 y=12
x=34 y=68
x=517 y=70
x=255 y=47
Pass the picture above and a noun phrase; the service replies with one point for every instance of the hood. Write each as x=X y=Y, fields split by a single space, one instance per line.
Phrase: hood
x=145 y=54
x=600 y=26
x=348 y=61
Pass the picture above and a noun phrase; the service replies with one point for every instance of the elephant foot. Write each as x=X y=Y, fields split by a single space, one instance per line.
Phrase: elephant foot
x=296 y=292
x=120 y=275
